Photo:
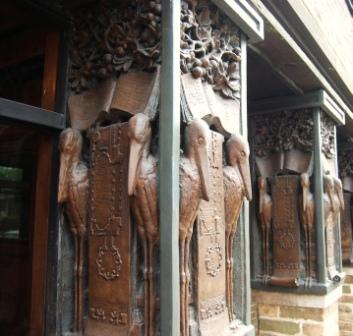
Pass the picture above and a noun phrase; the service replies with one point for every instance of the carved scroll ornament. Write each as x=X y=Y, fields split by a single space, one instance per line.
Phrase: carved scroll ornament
x=110 y=37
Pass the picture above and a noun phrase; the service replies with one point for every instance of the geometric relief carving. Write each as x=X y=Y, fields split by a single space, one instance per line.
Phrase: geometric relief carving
x=212 y=307
x=286 y=230
x=210 y=251
x=114 y=317
x=213 y=259
x=109 y=261
x=109 y=232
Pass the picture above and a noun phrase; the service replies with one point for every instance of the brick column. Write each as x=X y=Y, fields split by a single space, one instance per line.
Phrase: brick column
x=346 y=305
x=296 y=314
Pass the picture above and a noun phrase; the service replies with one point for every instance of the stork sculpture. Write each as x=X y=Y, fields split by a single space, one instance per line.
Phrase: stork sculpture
x=265 y=217
x=142 y=187
x=237 y=185
x=307 y=207
x=337 y=184
x=328 y=197
x=73 y=191
x=194 y=186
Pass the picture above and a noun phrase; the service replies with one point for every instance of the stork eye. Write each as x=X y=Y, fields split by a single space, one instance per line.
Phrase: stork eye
x=200 y=140
x=242 y=153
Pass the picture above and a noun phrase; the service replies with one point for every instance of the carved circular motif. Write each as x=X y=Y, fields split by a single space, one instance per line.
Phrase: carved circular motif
x=286 y=240
x=109 y=262
x=213 y=260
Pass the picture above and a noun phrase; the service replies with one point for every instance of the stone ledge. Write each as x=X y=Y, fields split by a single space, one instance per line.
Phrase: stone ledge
x=297 y=300
x=348 y=271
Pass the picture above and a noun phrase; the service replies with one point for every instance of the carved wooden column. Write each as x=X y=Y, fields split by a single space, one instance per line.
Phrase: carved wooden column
x=298 y=204
x=345 y=160
x=145 y=229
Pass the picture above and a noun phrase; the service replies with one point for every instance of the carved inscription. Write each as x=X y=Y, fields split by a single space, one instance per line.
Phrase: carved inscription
x=114 y=317
x=286 y=229
x=109 y=239
x=212 y=307
x=210 y=289
x=331 y=247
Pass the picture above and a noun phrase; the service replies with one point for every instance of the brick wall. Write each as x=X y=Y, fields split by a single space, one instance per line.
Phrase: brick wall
x=346 y=306
x=278 y=314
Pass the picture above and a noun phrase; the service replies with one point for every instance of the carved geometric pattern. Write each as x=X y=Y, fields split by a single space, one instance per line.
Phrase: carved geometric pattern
x=212 y=307
x=213 y=260
x=109 y=261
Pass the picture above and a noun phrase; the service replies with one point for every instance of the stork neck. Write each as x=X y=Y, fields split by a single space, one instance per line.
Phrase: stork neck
x=145 y=151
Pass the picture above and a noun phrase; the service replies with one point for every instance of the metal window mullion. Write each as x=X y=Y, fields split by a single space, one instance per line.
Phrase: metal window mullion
x=319 y=202
x=169 y=147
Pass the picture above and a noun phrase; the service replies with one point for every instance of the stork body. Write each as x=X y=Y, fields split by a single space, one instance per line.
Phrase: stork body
x=193 y=188
x=73 y=191
x=307 y=208
x=338 y=198
x=142 y=187
x=237 y=185
x=265 y=217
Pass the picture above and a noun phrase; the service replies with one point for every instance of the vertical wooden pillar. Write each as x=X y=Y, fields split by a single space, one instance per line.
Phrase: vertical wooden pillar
x=319 y=203
x=169 y=146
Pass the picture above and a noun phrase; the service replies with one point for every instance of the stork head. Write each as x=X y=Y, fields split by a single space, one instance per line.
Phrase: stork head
x=339 y=191
x=139 y=132
x=70 y=146
x=197 y=139
x=238 y=151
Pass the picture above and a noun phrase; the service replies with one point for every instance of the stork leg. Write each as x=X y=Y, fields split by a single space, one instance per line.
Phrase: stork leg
x=187 y=283
x=227 y=275
x=80 y=285
x=76 y=283
x=146 y=284
x=182 y=288
x=264 y=254
x=151 y=307
x=231 y=291
x=267 y=249
x=307 y=256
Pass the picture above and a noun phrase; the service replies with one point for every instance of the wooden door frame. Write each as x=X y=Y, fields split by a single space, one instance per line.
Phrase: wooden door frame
x=43 y=191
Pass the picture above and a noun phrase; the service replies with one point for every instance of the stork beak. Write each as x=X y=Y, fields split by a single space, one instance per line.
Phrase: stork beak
x=244 y=169
x=305 y=195
x=331 y=200
x=65 y=162
x=204 y=172
x=341 y=198
x=134 y=159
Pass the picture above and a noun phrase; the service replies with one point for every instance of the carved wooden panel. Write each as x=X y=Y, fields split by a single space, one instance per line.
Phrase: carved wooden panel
x=212 y=312
x=346 y=230
x=109 y=234
x=331 y=249
x=286 y=230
